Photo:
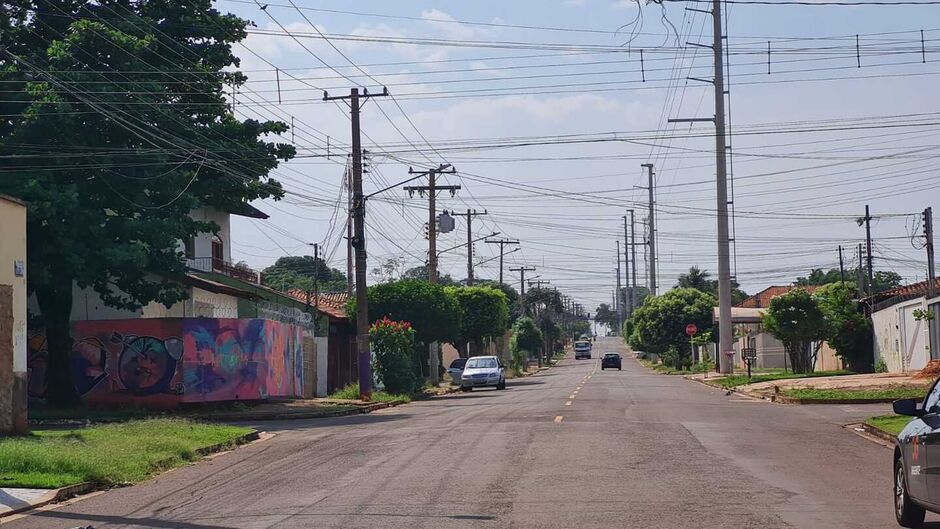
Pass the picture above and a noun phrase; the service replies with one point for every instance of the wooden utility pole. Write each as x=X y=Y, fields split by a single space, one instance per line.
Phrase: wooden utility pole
x=522 y=270
x=431 y=189
x=619 y=304
x=841 y=265
x=502 y=246
x=470 y=214
x=350 y=268
x=359 y=241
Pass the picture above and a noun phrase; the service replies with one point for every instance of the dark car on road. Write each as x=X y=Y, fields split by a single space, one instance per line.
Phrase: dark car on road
x=917 y=459
x=611 y=360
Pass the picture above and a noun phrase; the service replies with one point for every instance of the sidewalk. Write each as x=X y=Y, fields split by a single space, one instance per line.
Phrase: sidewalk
x=861 y=382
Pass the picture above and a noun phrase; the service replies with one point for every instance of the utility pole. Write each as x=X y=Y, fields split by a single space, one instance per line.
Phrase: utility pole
x=841 y=265
x=431 y=189
x=628 y=294
x=652 y=226
x=619 y=294
x=502 y=246
x=522 y=270
x=633 y=261
x=538 y=283
x=931 y=272
x=359 y=242
x=470 y=214
x=871 y=273
x=350 y=269
x=861 y=276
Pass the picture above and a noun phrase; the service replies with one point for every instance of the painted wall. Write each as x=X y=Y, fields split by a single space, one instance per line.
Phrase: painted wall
x=900 y=340
x=161 y=363
x=13 y=312
x=87 y=305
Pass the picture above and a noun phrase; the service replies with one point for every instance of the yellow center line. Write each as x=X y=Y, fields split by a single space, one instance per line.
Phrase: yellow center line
x=568 y=403
x=559 y=418
x=571 y=396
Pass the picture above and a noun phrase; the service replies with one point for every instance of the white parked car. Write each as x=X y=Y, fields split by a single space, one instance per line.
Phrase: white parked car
x=455 y=369
x=482 y=371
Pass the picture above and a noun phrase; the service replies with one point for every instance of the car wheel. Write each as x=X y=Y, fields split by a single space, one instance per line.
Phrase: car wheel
x=906 y=511
x=501 y=385
x=465 y=389
x=619 y=369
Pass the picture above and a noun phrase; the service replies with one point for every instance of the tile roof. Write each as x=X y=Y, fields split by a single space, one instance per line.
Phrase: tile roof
x=332 y=304
x=885 y=299
x=762 y=298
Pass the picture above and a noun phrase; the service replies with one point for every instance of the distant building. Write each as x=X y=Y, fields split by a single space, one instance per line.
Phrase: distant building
x=13 y=377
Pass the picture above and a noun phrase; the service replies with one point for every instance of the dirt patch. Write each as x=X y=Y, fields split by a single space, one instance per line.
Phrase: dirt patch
x=930 y=371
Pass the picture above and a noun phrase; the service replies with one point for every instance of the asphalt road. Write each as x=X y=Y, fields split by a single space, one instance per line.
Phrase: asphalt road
x=574 y=447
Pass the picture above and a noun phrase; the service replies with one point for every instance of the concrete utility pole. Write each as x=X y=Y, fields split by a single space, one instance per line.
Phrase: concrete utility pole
x=841 y=265
x=470 y=214
x=633 y=261
x=502 y=247
x=871 y=270
x=359 y=242
x=522 y=270
x=431 y=189
x=619 y=294
x=652 y=227
x=350 y=269
x=628 y=294
x=861 y=276
x=931 y=272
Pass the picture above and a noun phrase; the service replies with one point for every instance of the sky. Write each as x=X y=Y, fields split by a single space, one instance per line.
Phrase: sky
x=547 y=109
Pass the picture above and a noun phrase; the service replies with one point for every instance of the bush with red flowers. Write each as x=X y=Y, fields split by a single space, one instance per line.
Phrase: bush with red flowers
x=393 y=343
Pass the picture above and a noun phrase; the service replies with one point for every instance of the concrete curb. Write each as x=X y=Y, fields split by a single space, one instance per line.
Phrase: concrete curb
x=879 y=433
x=70 y=491
x=783 y=399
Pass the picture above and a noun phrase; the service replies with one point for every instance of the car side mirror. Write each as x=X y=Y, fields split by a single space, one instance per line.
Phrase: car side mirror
x=907 y=407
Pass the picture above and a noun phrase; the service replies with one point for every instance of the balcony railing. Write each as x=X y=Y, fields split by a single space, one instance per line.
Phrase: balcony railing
x=211 y=264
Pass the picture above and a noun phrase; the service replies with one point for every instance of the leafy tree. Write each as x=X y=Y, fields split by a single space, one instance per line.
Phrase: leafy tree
x=848 y=330
x=120 y=108
x=796 y=319
x=389 y=270
x=421 y=272
x=512 y=297
x=394 y=344
x=699 y=280
x=526 y=340
x=883 y=280
x=818 y=276
x=659 y=325
x=484 y=313
x=606 y=316
x=298 y=273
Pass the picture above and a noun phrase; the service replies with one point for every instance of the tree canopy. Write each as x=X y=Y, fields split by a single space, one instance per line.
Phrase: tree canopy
x=882 y=280
x=121 y=108
x=658 y=326
x=848 y=330
x=434 y=314
x=484 y=313
x=299 y=272
x=795 y=318
x=701 y=280
x=526 y=340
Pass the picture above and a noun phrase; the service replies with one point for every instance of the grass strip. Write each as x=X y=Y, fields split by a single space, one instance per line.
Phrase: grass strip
x=107 y=454
x=890 y=392
x=740 y=380
x=351 y=392
x=892 y=424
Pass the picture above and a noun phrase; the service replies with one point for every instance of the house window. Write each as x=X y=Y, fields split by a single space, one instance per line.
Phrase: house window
x=189 y=248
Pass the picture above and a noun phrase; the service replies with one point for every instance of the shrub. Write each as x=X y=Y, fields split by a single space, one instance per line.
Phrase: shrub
x=393 y=343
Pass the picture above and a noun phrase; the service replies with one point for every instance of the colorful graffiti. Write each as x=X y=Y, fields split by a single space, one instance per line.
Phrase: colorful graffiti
x=165 y=362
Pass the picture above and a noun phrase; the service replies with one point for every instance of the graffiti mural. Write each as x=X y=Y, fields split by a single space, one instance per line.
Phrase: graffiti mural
x=161 y=363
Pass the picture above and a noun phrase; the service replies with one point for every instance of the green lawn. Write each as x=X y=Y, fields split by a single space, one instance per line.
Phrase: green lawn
x=740 y=380
x=892 y=424
x=351 y=392
x=892 y=392
x=106 y=454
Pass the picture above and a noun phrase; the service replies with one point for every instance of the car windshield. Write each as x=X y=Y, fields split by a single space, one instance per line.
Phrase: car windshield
x=477 y=363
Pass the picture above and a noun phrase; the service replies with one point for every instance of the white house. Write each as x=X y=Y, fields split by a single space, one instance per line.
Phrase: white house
x=905 y=331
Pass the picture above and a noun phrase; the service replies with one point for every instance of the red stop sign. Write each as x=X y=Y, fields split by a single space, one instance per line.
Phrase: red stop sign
x=691 y=329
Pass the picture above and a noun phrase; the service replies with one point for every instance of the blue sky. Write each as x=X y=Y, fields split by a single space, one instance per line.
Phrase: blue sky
x=796 y=192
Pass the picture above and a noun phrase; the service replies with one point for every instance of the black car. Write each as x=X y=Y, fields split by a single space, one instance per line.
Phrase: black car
x=917 y=459
x=611 y=360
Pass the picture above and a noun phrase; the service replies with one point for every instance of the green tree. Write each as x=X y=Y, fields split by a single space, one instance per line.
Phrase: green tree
x=796 y=319
x=605 y=315
x=818 y=276
x=512 y=297
x=700 y=280
x=421 y=272
x=659 y=325
x=526 y=341
x=119 y=109
x=848 y=330
x=882 y=281
x=299 y=272
x=484 y=313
